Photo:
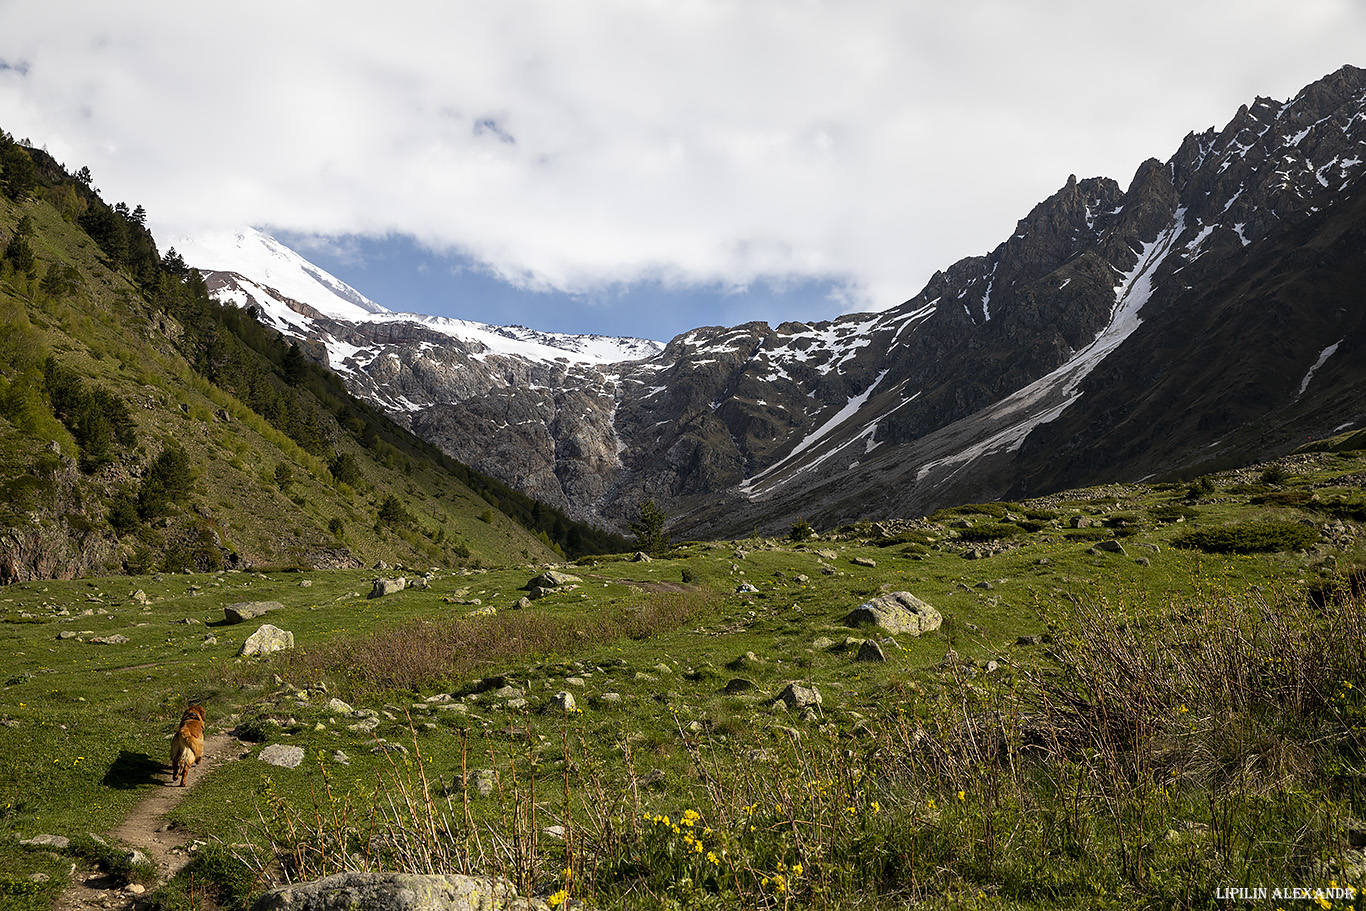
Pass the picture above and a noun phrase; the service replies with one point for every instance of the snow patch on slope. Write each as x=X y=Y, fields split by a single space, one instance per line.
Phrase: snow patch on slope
x=848 y=411
x=1030 y=407
x=1324 y=355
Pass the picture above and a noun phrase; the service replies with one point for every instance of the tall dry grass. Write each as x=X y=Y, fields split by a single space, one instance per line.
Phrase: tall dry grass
x=417 y=653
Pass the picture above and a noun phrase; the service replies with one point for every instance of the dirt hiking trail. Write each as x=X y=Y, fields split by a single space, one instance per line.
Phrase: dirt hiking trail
x=147 y=829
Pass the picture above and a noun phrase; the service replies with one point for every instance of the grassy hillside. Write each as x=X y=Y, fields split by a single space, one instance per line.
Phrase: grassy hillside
x=143 y=427
x=1138 y=695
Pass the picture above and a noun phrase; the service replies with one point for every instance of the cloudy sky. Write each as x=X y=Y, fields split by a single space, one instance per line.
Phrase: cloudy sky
x=630 y=166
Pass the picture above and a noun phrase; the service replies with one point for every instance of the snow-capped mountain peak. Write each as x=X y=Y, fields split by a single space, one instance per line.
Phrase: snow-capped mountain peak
x=270 y=264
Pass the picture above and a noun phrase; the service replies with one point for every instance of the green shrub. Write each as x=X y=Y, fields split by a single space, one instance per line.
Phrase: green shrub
x=1298 y=497
x=801 y=530
x=997 y=510
x=995 y=531
x=906 y=537
x=1274 y=475
x=1173 y=512
x=1250 y=538
x=1343 y=508
x=1200 y=487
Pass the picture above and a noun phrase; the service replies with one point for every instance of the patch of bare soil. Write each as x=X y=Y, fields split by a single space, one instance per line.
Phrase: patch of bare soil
x=147 y=829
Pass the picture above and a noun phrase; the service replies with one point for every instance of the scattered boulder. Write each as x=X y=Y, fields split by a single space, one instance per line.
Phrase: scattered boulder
x=864 y=561
x=822 y=643
x=870 y=651
x=140 y=597
x=896 y=612
x=267 y=639
x=536 y=592
x=248 y=610
x=642 y=557
x=1111 y=546
x=60 y=842
x=398 y=892
x=745 y=588
x=738 y=685
x=522 y=603
x=337 y=707
x=278 y=754
x=114 y=639
x=387 y=587
x=563 y=700
x=552 y=579
x=800 y=696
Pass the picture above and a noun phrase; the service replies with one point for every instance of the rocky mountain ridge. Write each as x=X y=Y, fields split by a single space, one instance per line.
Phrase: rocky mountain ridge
x=1201 y=317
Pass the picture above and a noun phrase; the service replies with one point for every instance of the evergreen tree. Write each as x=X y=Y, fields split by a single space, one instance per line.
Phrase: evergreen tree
x=649 y=530
x=18 y=176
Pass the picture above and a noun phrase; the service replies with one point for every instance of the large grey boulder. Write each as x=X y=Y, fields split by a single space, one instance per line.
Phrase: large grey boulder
x=243 y=611
x=896 y=612
x=387 y=587
x=549 y=582
x=267 y=639
x=552 y=579
x=398 y=892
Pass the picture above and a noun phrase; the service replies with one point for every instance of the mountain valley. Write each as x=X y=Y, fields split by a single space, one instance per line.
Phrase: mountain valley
x=1206 y=316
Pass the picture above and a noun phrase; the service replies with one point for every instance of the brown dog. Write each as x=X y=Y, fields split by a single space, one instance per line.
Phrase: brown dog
x=187 y=747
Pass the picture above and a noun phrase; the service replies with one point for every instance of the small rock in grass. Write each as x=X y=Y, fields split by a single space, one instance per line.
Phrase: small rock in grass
x=278 y=754
x=799 y=695
x=60 y=842
x=249 y=610
x=870 y=651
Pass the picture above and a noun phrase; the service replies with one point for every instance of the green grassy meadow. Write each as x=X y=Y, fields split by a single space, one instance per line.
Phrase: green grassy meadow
x=1131 y=727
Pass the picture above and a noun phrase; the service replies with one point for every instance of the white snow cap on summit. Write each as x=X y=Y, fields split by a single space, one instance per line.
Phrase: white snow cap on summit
x=268 y=262
x=267 y=266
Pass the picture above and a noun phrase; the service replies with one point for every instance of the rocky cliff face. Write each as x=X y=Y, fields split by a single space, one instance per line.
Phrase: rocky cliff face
x=1209 y=312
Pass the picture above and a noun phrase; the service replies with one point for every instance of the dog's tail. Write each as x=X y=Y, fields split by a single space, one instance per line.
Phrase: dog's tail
x=181 y=759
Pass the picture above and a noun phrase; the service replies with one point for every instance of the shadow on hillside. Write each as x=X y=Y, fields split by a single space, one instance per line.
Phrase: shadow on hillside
x=133 y=770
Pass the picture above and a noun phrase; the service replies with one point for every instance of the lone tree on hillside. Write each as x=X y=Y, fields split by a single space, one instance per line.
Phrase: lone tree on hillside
x=649 y=530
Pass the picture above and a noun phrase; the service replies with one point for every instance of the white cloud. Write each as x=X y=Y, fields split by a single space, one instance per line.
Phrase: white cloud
x=582 y=145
